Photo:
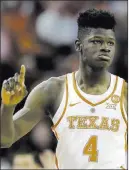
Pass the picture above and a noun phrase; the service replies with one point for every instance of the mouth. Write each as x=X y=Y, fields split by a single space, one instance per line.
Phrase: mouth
x=104 y=57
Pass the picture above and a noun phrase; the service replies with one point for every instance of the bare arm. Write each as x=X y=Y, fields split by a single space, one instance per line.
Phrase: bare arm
x=13 y=91
x=34 y=108
x=32 y=112
x=14 y=127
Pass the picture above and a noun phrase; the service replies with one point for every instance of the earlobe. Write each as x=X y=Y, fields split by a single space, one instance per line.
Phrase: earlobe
x=78 y=45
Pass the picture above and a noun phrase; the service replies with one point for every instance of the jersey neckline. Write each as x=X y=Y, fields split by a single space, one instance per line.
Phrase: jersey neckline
x=105 y=96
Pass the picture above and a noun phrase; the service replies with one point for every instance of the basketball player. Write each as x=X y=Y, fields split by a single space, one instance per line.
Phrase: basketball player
x=88 y=106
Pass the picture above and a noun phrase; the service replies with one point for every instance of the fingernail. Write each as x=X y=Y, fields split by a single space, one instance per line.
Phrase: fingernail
x=8 y=92
x=19 y=89
x=12 y=92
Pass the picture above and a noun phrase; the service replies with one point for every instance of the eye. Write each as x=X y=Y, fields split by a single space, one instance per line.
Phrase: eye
x=111 y=43
x=96 y=41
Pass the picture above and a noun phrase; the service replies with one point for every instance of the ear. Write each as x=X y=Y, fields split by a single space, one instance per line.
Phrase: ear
x=78 y=45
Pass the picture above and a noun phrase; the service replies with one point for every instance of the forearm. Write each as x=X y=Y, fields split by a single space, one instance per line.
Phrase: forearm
x=7 y=125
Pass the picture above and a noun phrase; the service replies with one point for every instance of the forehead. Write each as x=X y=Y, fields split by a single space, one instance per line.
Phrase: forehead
x=100 y=32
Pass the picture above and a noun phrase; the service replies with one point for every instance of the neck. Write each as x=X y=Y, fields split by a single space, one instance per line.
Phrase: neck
x=91 y=77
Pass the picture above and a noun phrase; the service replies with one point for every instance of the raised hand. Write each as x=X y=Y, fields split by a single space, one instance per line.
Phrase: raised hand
x=14 y=89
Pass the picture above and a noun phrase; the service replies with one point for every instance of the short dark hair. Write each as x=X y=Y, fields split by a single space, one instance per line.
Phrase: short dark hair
x=94 y=18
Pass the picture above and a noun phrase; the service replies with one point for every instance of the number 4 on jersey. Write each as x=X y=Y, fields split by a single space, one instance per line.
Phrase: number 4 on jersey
x=91 y=149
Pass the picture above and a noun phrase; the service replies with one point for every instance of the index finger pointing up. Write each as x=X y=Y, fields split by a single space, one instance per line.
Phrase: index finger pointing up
x=22 y=74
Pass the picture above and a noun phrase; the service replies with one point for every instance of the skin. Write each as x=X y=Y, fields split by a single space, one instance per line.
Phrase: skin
x=27 y=161
x=92 y=77
x=100 y=41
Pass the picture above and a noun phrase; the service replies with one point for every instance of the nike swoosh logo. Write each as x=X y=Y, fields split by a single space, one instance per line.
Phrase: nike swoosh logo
x=122 y=167
x=73 y=104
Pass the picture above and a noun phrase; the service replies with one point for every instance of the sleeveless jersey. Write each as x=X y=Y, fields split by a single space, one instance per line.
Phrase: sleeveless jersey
x=91 y=129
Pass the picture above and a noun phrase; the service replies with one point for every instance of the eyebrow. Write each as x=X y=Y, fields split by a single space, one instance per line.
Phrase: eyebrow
x=101 y=37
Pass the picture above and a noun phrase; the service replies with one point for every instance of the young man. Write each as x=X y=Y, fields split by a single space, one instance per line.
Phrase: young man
x=88 y=106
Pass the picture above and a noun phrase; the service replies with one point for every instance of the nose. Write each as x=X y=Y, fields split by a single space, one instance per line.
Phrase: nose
x=105 y=48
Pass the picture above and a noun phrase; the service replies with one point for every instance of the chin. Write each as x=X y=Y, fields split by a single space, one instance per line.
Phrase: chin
x=101 y=66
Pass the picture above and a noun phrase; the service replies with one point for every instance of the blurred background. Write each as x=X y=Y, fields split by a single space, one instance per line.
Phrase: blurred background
x=41 y=35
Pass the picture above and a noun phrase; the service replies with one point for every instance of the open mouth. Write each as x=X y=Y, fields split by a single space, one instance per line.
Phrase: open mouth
x=104 y=57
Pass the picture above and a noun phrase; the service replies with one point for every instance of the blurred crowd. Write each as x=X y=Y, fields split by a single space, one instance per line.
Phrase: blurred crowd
x=41 y=34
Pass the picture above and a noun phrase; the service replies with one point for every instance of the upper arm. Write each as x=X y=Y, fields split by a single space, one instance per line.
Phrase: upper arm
x=126 y=96
x=34 y=109
x=32 y=112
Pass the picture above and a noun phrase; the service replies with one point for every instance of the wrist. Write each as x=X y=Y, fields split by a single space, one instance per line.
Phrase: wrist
x=7 y=105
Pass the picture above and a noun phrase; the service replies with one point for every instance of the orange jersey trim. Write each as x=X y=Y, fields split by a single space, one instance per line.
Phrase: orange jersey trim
x=55 y=133
x=56 y=162
x=64 y=110
x=87 y=101
x=123 y=113
x=126 y=144
x=122 y=103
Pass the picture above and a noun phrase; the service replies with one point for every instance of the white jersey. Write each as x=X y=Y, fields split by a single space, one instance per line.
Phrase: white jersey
x=91 y=129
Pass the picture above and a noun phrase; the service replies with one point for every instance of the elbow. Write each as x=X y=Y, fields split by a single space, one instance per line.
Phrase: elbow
x=6 y=145
x=6 y=142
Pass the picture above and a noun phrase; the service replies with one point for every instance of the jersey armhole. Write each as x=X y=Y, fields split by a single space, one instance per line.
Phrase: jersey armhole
x=122 y=106
x=64 y=109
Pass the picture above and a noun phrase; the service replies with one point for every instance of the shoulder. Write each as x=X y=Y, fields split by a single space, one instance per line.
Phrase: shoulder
x=125 y=95
x=56 y=81
x=46 y=90
x=50 y=83
x=126 y=89
x=53 y=84
x=49 y=87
